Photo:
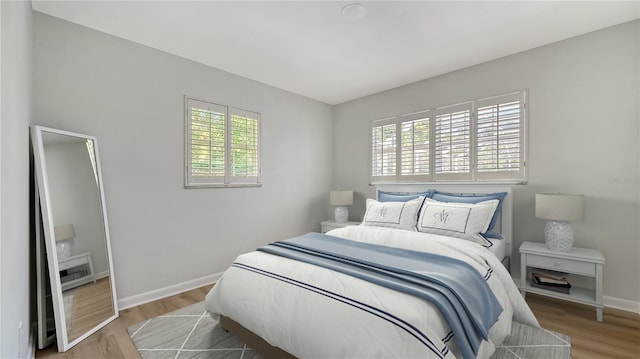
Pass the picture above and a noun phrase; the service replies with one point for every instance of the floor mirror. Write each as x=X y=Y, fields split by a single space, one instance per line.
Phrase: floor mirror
x=75 y=232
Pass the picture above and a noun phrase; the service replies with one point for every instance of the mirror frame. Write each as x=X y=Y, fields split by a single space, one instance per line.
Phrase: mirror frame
x=43 y=285
x=49 y=238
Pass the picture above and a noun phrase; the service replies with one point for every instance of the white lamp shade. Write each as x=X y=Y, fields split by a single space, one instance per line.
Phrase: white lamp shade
x=559 y=207
x=64 y=232
x=341 y=198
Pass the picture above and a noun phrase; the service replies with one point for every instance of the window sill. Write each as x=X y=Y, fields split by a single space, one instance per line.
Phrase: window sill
x=462 y=183
x=228 y=185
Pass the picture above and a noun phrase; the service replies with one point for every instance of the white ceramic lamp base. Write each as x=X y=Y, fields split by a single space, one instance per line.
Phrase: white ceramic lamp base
x=64 y=248
x=558 y=236
x=341 y=214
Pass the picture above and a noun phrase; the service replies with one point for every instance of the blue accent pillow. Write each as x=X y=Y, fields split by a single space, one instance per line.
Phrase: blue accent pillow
x=398 y=197
x=452 y=197
x=493 y=235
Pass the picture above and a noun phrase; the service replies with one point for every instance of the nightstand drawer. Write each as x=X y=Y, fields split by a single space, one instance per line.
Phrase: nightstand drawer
x=562 y=265
x=72 y=263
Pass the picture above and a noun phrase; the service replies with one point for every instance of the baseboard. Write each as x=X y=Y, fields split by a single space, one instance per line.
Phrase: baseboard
x=139 y=299
x=622 y=304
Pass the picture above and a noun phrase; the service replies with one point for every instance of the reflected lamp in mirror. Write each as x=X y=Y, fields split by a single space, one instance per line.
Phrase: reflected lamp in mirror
x=559 y=209
x=64 y=240
x=341 y=199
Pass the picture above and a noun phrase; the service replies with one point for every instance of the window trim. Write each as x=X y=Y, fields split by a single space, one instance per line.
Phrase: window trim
x=473 y=177
x=226 y=181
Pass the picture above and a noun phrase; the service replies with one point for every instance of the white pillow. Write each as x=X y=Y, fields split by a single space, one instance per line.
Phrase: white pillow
x=461 y=220
x=401 y=215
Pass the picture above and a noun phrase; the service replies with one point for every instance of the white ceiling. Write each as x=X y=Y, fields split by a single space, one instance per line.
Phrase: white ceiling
x=308 y=48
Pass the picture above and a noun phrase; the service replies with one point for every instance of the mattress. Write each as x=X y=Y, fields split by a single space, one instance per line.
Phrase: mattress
x=498 y=247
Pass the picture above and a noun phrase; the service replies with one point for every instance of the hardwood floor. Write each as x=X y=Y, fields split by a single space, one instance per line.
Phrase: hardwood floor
x=90 y=305
x=112 y=341
x=618 y=336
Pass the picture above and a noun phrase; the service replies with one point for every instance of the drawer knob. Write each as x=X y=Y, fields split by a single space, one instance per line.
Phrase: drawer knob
x=557 y=264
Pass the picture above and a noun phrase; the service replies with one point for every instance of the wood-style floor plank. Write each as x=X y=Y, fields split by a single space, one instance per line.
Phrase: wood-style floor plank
x=91 y=304
x=618 y=336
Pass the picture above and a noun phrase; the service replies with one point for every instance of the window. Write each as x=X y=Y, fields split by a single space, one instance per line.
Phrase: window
x=453 y=142
x=414 y=150
x=222 y=145
x=500 y=137
x=383 y=149
x=481 y=140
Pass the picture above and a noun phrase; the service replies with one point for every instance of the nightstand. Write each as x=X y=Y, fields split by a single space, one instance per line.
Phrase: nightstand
x=329 y=225
x=579 y=261
x=76 y=270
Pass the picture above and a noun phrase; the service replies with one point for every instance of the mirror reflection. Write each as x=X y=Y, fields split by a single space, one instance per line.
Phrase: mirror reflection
x=75 y=212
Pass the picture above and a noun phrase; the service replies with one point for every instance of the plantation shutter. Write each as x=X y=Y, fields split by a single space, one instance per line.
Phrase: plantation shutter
x=414 y=146
x=244 y=144
x=500 y=137
x=206 y=142
x=479 y=140
x=452 y=142
x=222 y=145
x=383 y=150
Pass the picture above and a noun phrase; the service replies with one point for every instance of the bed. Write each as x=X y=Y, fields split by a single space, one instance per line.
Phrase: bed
x=284 y=301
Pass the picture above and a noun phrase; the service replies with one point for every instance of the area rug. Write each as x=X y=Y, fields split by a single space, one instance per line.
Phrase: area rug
x=190 y=333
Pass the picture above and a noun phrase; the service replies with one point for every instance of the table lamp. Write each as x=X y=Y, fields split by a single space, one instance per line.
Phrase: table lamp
x=64 y=240
x=341 y=199
x=559 y=209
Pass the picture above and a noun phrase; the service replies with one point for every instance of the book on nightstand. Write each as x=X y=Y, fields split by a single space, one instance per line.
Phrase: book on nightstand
x=550 y=274
x=561 y=286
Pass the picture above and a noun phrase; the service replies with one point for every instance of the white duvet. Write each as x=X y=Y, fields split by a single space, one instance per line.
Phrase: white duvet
x=313 y=312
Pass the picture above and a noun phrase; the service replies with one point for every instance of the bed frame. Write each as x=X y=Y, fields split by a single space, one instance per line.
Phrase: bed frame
x=268 y=351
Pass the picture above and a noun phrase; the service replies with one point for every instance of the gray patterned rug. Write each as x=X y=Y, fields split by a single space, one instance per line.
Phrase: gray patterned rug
x=190 y=333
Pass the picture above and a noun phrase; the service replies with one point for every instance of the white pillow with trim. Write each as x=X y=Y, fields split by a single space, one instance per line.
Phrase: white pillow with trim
x=400 y=215
x=460 y=220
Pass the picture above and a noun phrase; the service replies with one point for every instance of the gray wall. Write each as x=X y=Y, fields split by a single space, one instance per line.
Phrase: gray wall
x=131 y=97
x=15 y=116
x=583 y=138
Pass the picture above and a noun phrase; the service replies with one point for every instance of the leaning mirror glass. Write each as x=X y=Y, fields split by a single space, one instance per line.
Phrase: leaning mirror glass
x=76 y=233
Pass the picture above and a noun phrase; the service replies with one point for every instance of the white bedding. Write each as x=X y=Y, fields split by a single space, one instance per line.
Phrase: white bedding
x=498 y=247
x=318 y=313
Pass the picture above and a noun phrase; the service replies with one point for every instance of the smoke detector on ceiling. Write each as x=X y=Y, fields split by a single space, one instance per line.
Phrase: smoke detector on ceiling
x=353 y=11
